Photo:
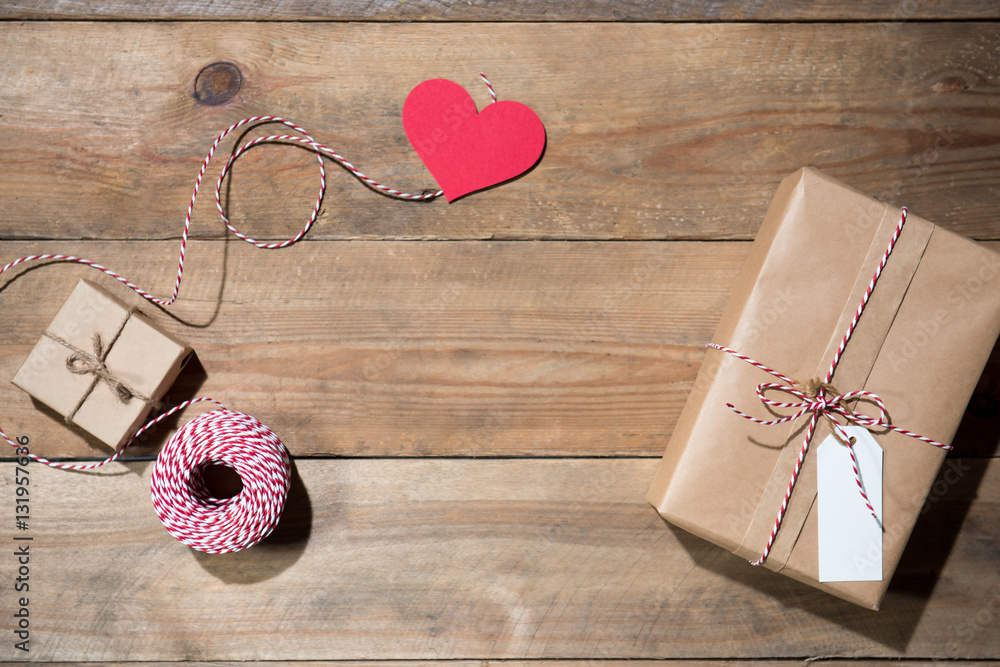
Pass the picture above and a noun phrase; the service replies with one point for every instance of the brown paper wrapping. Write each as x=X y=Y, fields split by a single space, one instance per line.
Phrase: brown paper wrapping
x=921 y=345
x=141 y=356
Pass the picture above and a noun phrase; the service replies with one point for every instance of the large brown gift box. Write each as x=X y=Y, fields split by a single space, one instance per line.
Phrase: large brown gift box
x=921 y=345
x=101 y=365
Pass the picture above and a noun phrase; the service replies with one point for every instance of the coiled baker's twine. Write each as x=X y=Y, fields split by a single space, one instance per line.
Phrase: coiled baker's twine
x=182 y=500
x=186 y=506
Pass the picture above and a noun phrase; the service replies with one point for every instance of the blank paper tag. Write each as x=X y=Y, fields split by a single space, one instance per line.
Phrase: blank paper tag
x=850 y=540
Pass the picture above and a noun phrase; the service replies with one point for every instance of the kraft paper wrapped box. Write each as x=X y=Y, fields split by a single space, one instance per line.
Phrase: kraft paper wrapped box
x=106 y=388
x=921 y=345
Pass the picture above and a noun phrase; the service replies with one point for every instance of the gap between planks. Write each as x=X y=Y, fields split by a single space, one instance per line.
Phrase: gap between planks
x=411 y=349
x=447 y=559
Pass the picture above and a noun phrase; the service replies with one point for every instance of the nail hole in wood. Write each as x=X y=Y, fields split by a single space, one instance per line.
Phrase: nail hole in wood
x=951 y=84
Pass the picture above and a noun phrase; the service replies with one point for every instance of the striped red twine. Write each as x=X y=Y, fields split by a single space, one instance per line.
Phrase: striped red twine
x=184 y=504
x=813 y=400
x=305 y=139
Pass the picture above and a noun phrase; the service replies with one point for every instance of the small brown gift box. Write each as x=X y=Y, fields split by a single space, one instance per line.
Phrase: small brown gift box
x=107 y=388
x=921 y=345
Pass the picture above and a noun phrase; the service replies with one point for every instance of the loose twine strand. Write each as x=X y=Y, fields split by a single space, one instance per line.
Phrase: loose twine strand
x=181 y=498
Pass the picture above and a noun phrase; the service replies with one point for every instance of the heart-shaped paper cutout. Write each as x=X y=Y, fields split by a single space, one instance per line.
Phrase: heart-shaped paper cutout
x=464 y=150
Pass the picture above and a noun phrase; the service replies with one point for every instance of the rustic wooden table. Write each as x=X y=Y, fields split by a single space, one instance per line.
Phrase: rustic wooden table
x=475 y=394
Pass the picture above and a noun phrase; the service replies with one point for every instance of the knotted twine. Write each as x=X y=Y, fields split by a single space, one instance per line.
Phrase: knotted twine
x=181 y=499
x=818 y=398
x=85 y=363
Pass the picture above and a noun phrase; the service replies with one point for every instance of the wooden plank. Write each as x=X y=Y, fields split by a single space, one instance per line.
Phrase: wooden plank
x=884 y=662
x=466 y=559
x=397 y=348
x=480 y=10
x=413 y=349
x=670 y=132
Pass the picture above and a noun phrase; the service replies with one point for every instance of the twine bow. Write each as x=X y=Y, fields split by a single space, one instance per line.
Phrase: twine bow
x=814 y=399
x=82 y=363
x=85 y=363
x=818 y=398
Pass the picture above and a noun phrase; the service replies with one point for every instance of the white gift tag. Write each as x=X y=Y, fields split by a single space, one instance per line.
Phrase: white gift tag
x=850 y=539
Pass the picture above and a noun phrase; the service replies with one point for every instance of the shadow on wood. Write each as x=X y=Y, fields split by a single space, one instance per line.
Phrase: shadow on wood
x=530 y=169
x=927 y=550
x=149 y=443
x=277 y=552
x=893 y=634
x=185 y=388
x=953 y=492
x=979 y=432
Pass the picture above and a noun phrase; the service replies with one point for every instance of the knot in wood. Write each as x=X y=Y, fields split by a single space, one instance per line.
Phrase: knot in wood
x=217 y=83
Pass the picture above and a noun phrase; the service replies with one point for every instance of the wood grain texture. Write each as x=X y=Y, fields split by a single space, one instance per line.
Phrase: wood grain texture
x=464 y=559
x=594 y=662
x=475 y=416
x=400 y=348
x=481 y=10
x=361 y=348
x=668 y=132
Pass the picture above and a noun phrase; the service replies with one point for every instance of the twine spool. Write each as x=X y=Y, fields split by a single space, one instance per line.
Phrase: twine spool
x=182 y=500
x=186 y=506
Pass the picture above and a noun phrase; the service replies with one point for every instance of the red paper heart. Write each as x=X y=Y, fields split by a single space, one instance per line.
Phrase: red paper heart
x=464 y=150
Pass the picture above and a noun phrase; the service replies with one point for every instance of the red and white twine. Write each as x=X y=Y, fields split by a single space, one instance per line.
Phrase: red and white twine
x=489 y=87
x=304 y=138
x=183 y=502
x=822 y=405
x=186 y=506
